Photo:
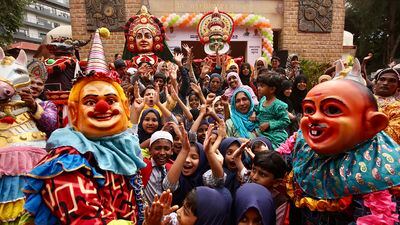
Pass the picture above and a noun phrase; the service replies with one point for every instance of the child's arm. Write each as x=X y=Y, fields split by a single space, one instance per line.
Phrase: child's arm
x=286 y=147
x=197 y=89
x=282 y=120
x=197 y=122
x=176 y=168
x=186 y=111
x=237 y=155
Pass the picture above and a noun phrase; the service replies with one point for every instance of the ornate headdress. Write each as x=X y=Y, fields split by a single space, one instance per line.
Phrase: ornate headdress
x=350 y=73
x=149 y=22
x=215 y=23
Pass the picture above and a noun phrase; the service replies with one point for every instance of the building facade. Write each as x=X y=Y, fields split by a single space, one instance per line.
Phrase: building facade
x=41 y=17
x=312 y=30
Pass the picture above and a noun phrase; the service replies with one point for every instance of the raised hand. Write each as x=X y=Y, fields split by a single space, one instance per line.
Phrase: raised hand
x=210 y=98
x=207 y=140
x=187 y=48
x=173 y=93
x=196 y=88
x=222 y=129
x=27 y=97
x=178 y=58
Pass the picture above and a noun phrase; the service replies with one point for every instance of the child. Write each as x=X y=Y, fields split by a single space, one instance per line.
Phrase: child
x=250 y=208
x=271 y=112
x=268 y=170
x=202 y=206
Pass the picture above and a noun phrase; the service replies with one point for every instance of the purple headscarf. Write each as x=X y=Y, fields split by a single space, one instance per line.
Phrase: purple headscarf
x=252 y=195
x=213 y=206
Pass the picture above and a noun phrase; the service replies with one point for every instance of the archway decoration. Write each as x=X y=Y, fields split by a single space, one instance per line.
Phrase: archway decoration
x=245 y=20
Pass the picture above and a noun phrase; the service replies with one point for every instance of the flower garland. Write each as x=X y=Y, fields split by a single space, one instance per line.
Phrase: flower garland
x=246 y=20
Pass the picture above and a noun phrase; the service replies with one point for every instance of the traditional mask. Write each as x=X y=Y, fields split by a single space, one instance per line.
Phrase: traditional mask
x=215 y=31
x=144 y=33
x=98 y=108
x=335 y=121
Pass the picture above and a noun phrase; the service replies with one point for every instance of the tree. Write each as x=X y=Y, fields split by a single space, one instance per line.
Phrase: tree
x=376 y=29
x=11 y=17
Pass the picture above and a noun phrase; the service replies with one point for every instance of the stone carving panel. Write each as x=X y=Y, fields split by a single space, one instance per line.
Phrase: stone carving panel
x=315 y=16
x=105 y=13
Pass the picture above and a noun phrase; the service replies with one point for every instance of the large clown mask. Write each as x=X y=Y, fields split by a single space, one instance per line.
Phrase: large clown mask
x=338 y=115
x=101 y=109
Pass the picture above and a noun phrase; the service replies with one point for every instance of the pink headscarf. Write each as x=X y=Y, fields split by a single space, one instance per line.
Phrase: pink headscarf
x=229 y=91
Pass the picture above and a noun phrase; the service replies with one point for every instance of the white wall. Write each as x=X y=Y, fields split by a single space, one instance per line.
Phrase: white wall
x=31 y=17
x=253 y=42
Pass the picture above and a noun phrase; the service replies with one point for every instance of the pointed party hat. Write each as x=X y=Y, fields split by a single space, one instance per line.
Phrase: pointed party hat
x=97 y=59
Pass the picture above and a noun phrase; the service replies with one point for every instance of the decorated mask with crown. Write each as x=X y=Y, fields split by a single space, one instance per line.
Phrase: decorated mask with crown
x=215 y=30
x=145 y=39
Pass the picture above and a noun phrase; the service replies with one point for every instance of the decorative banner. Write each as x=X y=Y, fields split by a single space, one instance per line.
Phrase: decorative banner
x=246 y=20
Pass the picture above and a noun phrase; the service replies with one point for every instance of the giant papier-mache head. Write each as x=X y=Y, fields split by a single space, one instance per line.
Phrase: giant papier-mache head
x=144 y=33
x=215 y=30
x=97 y=104
x=339 y=115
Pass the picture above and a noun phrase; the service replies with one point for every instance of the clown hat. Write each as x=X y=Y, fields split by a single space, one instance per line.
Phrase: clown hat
x=97 y=59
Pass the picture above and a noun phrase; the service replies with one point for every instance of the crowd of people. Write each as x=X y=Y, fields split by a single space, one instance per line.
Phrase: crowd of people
x=217 y=144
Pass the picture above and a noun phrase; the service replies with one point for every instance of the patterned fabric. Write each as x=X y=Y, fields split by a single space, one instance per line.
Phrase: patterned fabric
x=68 y=188
x=47 y=120
x=370 y=166
x=119 y=153
x=392 y=111
x=278 y=118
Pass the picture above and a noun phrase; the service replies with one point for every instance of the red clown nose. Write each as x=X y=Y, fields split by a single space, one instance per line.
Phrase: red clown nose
x=102 y=106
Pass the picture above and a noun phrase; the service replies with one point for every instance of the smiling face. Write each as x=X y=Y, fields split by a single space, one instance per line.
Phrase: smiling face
x=36 y=86
x=160 y=151
x=219 y=108
x=335 y=121
x=99 y=111
x=150 y=123
x=192 y=162
x=246 y=70
x=194 y=101
x=144 y=40
x=242 y=103
x=233 y=82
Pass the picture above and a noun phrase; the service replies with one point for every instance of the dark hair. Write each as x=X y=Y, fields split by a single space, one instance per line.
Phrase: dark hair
x=160 y=75
x=119 y=63
x=276 y=57
x=286 y=84
x=116 y=55
x=271 y=162
x=148 y=87
x=191 y=201
x=271 y=81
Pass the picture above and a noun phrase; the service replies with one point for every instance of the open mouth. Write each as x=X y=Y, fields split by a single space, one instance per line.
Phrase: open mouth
x=316 y=130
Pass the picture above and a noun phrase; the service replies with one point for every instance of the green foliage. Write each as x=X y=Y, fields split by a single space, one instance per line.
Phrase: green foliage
x=11 y=17
x=313 y=70
x=376 y=29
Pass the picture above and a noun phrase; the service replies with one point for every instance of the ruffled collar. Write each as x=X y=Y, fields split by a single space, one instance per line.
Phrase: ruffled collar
x=369 y=167
x=119 y=153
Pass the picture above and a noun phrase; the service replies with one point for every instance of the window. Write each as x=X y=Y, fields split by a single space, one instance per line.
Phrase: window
x=42 y=35
x=24 y=31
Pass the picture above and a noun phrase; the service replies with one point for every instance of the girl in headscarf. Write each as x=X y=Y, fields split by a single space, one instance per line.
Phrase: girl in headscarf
x=149 y=122
x=234 y=83
x=299 y=92
x=245 y=73
x=253 y=205
x=242 y=107
x=205 y=206
x=193 y=169
x=227 y=147
x=215 y=85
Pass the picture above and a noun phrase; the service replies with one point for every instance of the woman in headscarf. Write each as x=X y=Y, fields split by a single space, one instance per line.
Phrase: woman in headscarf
x=234 y=83
x=253 y=205
x=293 y=67
x=215 y=85
x=242 y=107
x=299 y=92
x=245 y=73
x=193 y=169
